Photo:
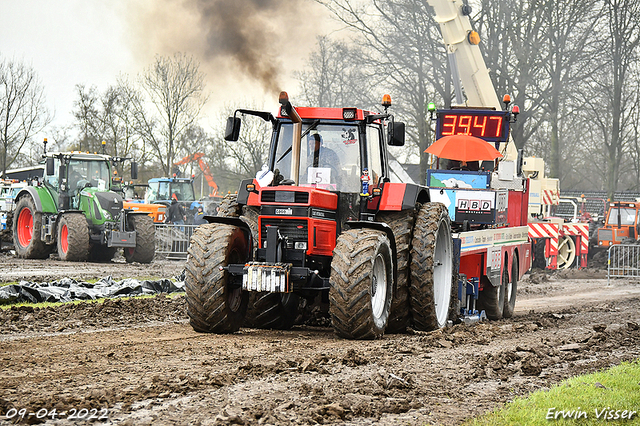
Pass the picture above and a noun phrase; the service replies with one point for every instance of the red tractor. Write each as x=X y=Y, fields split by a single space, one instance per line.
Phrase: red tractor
x=327 y=227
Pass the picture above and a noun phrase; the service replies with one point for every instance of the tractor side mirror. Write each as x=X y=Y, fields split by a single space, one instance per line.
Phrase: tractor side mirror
x=396 y=133
x=232 y=132
x=134 y=170
x=62 y=177
x=50 y=166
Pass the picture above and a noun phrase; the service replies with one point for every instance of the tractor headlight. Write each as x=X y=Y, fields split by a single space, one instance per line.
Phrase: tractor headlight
x=300 y=245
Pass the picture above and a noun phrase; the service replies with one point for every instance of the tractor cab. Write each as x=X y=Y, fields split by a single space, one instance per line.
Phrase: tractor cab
x=621 y=224
x=77 y=179
x=163 y=190
x=334 y=149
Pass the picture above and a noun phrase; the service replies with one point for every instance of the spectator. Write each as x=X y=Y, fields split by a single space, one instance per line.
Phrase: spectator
x=176 y=213
x=198 y=218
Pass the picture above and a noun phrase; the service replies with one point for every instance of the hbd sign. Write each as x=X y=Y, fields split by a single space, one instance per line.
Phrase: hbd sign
x=475 y=206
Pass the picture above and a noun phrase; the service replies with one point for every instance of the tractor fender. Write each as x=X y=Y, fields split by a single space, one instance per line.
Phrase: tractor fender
x=401 y=196
x=235 y=221
x=380 y=226
x=41 y=198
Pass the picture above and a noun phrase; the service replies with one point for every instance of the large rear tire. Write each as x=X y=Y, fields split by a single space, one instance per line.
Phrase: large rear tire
x=27 y=228
x=277 y=311
x=361 y=284
x=145 y=248
x=492 y=299
x=229 y=206
x=433 y=289
x=511 y=290
x=215 y=304
x=73 y=237
x=402 y=225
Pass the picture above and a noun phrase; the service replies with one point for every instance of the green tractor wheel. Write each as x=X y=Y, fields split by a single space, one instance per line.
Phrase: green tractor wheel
x=73 y=237
x=27 y=226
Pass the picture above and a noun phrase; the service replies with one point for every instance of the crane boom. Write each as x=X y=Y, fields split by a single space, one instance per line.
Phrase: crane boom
x=467 y=64
x=455 y=28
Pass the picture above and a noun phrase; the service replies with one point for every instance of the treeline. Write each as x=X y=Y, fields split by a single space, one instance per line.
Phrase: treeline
x=571 y=67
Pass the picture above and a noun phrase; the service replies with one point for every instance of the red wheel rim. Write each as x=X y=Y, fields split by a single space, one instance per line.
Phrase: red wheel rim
x=64 y=238
x=25 y=227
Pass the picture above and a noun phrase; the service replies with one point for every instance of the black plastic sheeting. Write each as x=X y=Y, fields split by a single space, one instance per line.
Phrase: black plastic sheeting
x=67 y=289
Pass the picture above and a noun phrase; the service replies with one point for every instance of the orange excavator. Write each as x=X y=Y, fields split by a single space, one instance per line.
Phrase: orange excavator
x=205 y=170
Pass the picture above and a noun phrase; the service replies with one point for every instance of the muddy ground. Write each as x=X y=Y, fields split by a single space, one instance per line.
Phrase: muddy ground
x=140 y=361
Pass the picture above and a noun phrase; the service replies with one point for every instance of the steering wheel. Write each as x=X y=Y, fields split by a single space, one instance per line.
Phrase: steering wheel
x=82 y=183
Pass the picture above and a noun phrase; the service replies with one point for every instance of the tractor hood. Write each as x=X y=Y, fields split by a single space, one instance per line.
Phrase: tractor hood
x=110 y=201
x=107 y=205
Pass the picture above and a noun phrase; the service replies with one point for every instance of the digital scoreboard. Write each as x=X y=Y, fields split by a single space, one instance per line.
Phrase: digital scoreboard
x=492 y=126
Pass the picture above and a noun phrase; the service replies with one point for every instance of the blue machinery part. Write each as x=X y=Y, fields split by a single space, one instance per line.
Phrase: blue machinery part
x=468 y=295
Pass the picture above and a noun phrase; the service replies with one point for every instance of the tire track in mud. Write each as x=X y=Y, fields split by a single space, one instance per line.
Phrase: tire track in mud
x=140 y=359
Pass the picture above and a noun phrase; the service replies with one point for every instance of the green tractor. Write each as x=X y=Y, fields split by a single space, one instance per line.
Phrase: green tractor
x=77 y=208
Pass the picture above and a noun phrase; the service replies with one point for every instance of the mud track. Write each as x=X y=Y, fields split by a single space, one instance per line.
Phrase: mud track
x=141 y=360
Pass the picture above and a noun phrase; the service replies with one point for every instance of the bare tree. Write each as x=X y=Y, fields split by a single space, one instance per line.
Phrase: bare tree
x=571 y=57
x=335 y=76
x=608 y=102
x=22 y=110
x=403 y=54
x=108 y=117
x=175 y=88
x=230 y=162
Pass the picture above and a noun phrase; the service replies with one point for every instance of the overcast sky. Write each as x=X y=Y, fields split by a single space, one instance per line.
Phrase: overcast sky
x=70 y=42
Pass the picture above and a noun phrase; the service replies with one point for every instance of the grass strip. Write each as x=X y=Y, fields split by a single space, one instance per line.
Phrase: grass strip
x=603 y=397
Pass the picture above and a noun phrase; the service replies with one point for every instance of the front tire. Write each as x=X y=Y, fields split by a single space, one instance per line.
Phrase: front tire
x=539 y=261
x=145 y=248
x=361 y=284
x=433 y=289
x=27 y=228
x=215 y=303
x=73 y=237
x=277 y=311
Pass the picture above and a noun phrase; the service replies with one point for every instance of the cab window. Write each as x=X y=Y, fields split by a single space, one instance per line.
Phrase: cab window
x=329 y=156
x=375 y=154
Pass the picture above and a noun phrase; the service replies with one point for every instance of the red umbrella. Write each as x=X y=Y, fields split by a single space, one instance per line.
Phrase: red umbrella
x=463 y=148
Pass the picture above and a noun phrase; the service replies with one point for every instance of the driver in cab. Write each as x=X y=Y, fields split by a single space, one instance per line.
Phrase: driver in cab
x=318 y=155
x=74 y=178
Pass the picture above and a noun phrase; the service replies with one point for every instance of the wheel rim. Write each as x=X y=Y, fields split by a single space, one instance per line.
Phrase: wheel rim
x=442 y=276
x=64 y=238
x=25 y=227
x=566 y=252
x=378 y=287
